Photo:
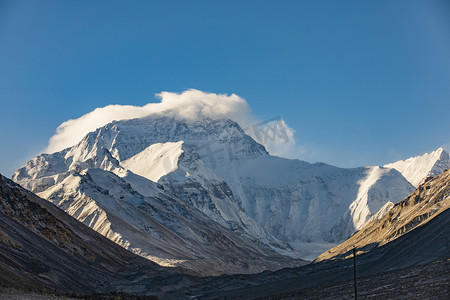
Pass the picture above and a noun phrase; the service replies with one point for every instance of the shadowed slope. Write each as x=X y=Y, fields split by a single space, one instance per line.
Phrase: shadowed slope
x=41 y=247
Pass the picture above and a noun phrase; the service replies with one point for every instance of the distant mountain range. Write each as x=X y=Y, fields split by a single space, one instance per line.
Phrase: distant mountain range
x=206 y=196
x=46 y=252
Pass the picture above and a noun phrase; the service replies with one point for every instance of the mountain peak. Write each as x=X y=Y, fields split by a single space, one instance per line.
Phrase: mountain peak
x=443 y=154
x=127 y=138
x=417 y=169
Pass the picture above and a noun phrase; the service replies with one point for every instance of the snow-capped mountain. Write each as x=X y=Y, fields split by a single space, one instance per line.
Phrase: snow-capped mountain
x=417 y=169
x=423 y=216
x=195 y=172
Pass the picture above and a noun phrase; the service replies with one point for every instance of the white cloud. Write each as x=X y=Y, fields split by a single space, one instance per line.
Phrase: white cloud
x=72 y=131
x=191 y=104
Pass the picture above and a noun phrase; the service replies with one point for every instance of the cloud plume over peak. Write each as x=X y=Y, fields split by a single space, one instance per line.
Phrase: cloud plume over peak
x=190 y=105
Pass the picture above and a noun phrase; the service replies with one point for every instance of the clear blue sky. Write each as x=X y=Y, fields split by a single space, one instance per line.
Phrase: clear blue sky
x=361 y=82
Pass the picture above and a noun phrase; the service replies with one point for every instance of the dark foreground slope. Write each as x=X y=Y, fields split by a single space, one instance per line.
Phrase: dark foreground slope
x=42 y=249
x=428 y=281
x=415 y=234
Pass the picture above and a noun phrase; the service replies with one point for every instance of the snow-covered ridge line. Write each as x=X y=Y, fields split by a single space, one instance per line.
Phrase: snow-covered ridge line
x=417 y=169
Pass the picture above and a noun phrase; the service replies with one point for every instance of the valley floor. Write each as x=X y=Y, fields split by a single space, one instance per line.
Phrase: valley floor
x=430 y=281
x=8 y=294
x=11 y=294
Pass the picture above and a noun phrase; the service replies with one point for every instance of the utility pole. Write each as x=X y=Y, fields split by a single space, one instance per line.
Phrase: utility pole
x=354 y=273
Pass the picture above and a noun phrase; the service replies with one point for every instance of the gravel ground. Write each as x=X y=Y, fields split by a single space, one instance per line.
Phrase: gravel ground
x=8 y=294
x=431 y=281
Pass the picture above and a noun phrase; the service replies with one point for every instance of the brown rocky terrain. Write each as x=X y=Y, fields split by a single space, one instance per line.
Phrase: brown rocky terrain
x=43 y=249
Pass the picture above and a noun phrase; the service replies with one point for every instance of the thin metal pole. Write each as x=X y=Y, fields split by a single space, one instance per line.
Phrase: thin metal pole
x=354 y=273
